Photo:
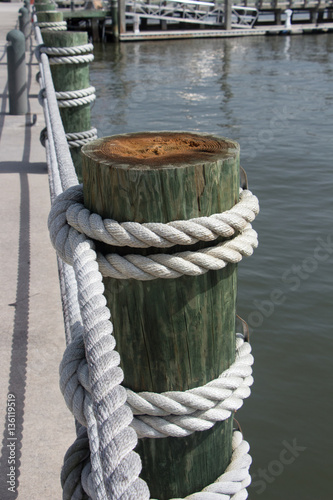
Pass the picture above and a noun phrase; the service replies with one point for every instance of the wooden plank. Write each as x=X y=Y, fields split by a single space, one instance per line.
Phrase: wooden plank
x=172 y=334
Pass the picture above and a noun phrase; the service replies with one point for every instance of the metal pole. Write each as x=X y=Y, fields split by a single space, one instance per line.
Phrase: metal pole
x=24 y=23
x=27 y=6
x=16 y=67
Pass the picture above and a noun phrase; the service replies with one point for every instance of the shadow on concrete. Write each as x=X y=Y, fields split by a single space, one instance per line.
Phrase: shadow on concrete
x=19 y=349
x=18 y=167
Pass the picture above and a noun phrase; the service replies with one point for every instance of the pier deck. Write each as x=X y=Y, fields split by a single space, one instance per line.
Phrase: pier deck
x=297 y=29
x=98 y=22
x=32 y=335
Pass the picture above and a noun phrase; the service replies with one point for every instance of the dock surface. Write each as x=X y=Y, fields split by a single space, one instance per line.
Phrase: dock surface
x=32 y=337
x=296 y=29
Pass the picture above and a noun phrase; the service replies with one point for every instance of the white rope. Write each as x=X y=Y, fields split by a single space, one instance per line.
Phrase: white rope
x=79 y=101
x=68 y=55
x=72 y=136
x=180 y=414
x=71 y=98
x=78 y=143
x=54 y=24
x=56 y=28
x=233 y=483
x=79 y=139
x=72 y=59
x=153 y=266
x=161 y=235
x=173 y=413
x=67 y=51
x=68 y=210
x=75 y=94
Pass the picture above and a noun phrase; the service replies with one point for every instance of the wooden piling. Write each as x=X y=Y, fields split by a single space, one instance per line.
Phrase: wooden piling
x=172 y=334
x=115 y=20
x=50 y=16
x=67 y=77
x=122 y=16
x=42 y=7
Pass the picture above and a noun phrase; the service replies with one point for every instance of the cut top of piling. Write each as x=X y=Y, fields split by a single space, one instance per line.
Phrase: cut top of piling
x=156 y=150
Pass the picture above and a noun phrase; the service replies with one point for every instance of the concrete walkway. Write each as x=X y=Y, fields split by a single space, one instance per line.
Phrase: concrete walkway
x=32 y=336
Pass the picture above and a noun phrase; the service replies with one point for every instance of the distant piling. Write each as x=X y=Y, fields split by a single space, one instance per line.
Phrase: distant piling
x=17 y=79
x=25 y=25
x=71 y=77
x=115 y=20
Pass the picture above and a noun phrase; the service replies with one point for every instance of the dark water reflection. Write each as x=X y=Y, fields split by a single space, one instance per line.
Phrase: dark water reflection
x=274 y=96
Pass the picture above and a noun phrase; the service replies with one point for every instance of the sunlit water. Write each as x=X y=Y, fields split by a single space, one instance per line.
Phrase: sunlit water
x=273 y=95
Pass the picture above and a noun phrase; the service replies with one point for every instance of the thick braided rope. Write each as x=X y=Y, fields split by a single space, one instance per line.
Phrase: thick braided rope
x=67 y=51
x=69 y=55
x=174 y=413
x=78 y=101
x=72 y=136
x=152 y=266
x=71 y=98
x=75 y=94
x=114 y=441
x=161 y=235
x=61 y=25
x=56 y=28
x=179 y=414
x=85 y=58
x=76 y=459
x=231 y=485
x=79 y=139
x=237 y=475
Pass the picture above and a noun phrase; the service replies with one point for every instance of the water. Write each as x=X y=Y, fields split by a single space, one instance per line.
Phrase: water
x=274 y=96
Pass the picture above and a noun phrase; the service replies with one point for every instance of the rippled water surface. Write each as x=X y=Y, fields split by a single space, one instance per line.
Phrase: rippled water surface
x=273 y=95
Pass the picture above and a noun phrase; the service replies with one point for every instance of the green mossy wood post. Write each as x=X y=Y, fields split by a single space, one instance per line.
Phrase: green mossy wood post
x=115 y=20
x=172 y=334
x=50 y=17
x=71 y=77
x=47 y=6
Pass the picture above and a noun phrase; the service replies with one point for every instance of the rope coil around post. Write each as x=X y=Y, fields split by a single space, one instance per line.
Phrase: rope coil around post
x=92 y=302
x=174 y=413
x=79 y=139
x=75 y=94
x=69 y=55
x=53 y=26
x=150 y=267
x=72 y=98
